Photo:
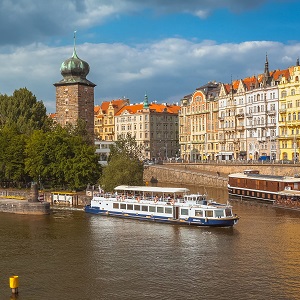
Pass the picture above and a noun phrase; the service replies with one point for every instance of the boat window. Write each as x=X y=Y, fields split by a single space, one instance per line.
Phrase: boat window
x=199 y=213
x=209 y=213
x=129 y=206
x=152 y=208
x=219 y=213
x=137 y=207
x=160 y=209
x=123 y=206
x=184 y=212
x=228 y=212
x=116 y=205
x=144 y=208
x=168 y=210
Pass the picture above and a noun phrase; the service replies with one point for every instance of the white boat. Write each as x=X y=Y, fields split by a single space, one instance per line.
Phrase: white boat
x=162 y=204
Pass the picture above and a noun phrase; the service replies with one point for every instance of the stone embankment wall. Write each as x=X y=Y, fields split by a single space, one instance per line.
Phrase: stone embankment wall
x=24 y=207
x=211 y=174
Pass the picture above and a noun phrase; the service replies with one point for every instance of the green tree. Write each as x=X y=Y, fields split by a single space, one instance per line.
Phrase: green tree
x=126 y=146
x=62 y=158
x=124 y=165
x=23 y=111
x=122 y=169
x=12 y=155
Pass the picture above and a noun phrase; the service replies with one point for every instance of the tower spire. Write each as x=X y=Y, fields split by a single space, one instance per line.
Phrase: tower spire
x=146 y=103
x=74 y=47
x=267 y=73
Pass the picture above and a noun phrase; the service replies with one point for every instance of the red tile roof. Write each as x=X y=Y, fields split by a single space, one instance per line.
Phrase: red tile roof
x=133 y=109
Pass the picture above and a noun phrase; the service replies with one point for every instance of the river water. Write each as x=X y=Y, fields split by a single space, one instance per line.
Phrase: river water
x=73 y=255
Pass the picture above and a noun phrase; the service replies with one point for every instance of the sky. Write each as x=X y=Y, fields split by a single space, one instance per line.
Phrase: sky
x=163 y=48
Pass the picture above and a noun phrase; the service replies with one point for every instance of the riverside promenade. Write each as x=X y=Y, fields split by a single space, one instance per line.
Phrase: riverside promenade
x=212 y=174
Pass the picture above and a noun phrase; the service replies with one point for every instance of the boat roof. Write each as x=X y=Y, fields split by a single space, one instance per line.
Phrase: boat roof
x=151 y=189
x=265 y=177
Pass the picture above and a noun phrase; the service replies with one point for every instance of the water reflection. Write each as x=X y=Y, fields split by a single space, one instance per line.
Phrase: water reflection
x=73 y=255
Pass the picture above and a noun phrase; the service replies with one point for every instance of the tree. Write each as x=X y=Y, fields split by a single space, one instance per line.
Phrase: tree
x=23 y=111
x=12 y=155
x=126 y=146
x=124 y=164
x=122 y=170
x=62 y=158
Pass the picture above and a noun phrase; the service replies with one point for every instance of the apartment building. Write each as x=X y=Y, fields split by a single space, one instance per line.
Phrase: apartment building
x=154 y=125
x=289 y=113
x=257 y=117
x=198 y=123
x=104 y=118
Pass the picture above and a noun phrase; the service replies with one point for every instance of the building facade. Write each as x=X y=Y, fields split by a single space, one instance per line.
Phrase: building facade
x=255 y=118
x=289 y=114
x=198 y=123
x=104 y=118
x=154 y=126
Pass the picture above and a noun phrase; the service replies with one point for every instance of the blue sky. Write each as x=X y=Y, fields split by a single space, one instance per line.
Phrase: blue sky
x=166 y=48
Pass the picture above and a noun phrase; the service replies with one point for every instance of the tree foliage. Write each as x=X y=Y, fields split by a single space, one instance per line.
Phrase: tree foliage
x=126 y=146
x=124 y=165
x=121 y=170
x=12 y=155
x=62 y=159
x=32 y=147
x=23 y=111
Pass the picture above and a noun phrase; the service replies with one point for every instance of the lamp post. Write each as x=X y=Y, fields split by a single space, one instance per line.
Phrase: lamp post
x=295 y=147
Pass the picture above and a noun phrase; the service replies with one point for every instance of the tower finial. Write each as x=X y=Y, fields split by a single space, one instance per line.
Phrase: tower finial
x=74 y=50
x=146 y=103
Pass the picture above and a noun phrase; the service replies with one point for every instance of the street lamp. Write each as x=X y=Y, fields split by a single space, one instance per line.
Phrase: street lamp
x=295 y=146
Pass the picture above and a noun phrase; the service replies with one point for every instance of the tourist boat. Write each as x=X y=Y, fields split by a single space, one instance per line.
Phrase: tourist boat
x=162 y=204
x=269 y=188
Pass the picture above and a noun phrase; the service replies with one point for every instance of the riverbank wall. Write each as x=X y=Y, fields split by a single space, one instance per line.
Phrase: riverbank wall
x=24 y=207
x=211 y=175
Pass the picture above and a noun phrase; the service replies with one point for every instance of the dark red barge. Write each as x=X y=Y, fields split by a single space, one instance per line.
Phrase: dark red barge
x=268 y=188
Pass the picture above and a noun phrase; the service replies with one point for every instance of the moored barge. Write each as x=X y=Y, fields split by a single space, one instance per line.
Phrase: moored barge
x=255 y=186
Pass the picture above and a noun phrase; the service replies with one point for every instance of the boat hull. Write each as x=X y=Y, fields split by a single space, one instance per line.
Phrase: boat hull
x=250 y=194
x=213 y=222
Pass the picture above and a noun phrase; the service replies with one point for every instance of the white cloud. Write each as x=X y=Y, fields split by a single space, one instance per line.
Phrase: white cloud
x=165 y=69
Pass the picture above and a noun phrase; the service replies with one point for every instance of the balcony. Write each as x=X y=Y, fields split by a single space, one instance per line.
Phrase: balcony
x=240 y=115
x=271 y=112
x=282 y=110
x=249 y=115
x=284 y=137
x=240 y=128
x=261 y=139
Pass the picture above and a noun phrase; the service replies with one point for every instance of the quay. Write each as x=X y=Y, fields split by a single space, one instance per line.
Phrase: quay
x=24 y=207
x=212 y=174
x=24 y=203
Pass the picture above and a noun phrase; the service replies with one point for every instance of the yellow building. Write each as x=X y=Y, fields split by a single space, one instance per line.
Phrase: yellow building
x=289 y=114
x=104 y=114
x=198 y=124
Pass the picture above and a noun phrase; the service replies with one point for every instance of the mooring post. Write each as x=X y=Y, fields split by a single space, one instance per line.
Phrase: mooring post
x=34 y=193
x=14 y=284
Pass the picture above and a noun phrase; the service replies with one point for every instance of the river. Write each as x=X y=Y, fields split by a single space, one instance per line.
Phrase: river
x=73 y=255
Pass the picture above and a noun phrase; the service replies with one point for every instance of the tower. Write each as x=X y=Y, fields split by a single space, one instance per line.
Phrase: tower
x=74 y=93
